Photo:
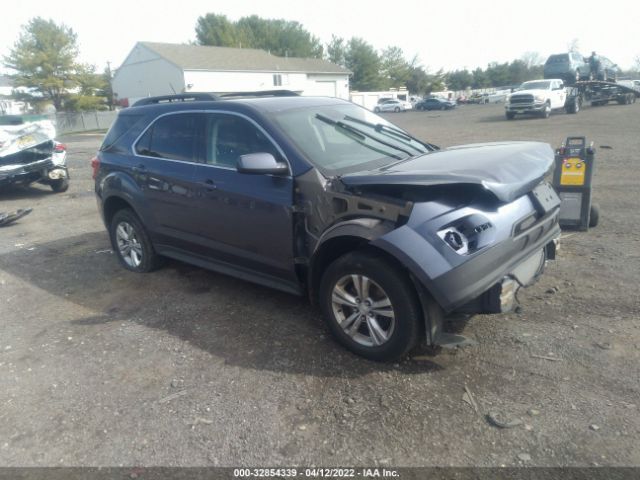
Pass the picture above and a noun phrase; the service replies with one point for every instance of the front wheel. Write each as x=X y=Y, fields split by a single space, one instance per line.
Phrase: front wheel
x=131 y=242
x=397 y=109
x=510 y=115
x=370 y=306
x=546 y=112
x=376 y=110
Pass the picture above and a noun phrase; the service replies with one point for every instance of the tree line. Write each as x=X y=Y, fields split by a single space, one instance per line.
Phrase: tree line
x=44 y=60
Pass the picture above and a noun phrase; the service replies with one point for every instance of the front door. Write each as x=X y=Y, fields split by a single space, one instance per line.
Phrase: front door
x=245 y=218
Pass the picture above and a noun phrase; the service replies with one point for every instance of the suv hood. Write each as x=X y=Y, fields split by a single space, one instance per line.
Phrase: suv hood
x=506 y=169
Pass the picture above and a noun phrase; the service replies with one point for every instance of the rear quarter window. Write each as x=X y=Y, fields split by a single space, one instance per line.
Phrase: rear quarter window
x=122 y=125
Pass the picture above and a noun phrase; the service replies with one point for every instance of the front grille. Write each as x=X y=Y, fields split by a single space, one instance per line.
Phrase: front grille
x=524 y=98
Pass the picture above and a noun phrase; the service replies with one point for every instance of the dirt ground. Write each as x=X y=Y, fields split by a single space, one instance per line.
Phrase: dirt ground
x=185 y=367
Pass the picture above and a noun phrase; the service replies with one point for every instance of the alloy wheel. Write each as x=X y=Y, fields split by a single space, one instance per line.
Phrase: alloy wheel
x=129 y=245
x=363 y=310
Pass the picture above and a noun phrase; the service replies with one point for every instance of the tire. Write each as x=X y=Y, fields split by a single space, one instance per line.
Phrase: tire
x=510 y=115
x=129 y=235
x=376 y=109
x=338 y=297
x=397 y=109
x=594 y=215
x=546 y=113
x=443 y=108
x=574 y=106
x=60 y=185
x=420 y=108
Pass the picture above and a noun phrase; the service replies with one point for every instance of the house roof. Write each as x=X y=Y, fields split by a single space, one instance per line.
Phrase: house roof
x=197 y=57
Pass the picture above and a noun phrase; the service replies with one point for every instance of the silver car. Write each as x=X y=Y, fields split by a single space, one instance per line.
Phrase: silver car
x=393 y=105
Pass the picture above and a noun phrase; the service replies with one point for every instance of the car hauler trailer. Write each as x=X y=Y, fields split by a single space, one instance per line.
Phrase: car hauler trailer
x=600 y=93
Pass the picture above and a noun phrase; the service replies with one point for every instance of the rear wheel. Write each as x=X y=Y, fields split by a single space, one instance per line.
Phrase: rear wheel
x=60 y=185
x=376 y=109
x=370 y=306
x=131 y=243
x=573 y=106
x=397 y=109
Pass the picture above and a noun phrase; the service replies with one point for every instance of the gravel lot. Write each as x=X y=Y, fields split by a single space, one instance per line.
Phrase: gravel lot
x=185 y=367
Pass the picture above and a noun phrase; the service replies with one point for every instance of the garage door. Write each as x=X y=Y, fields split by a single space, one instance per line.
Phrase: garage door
x=325 y=89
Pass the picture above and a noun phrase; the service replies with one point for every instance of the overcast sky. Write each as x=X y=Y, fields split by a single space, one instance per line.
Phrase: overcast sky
x=448 y=35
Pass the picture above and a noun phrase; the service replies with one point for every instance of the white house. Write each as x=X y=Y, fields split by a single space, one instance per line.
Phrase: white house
x=153 y=69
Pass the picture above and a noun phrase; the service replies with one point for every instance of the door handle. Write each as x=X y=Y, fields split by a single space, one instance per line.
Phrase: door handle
x=140 y=168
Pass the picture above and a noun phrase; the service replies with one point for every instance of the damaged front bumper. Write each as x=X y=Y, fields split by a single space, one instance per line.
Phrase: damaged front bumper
x=503 y=250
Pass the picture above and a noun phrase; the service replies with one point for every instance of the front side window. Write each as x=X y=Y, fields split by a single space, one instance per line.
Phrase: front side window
x=177 y=136
x=230 y=136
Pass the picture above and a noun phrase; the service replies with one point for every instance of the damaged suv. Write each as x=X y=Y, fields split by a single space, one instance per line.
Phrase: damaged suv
x=29 y=153
x=318 y=196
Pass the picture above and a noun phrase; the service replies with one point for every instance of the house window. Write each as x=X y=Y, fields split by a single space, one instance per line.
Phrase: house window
x=277 y=80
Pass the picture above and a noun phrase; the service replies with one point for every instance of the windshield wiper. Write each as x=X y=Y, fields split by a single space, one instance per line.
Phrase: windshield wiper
x=381 y=127
x=363 y=134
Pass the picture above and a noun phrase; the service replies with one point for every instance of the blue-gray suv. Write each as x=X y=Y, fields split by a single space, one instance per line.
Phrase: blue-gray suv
x=320 y=197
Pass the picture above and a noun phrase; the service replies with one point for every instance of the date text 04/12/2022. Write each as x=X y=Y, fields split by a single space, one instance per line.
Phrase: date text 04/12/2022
x=315 y=473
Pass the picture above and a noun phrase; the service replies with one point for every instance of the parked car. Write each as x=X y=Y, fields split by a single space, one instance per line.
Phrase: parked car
x=570 y=67
x=393 y=105
x=321 y=197
x=29 y=153
x=435 y=104
x=479 y=98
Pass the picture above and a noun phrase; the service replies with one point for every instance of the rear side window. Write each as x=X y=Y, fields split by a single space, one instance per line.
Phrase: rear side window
x=121 y=126
x=177 y=136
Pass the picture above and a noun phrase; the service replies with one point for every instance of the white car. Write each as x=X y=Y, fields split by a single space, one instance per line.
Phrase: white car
x=393 y=106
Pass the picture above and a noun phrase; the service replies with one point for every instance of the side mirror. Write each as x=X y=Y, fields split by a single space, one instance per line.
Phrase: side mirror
x=261 y=163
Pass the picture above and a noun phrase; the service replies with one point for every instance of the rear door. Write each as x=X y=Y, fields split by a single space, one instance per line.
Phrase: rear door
x=164 y=166
x=246 y=219
x=558 y=94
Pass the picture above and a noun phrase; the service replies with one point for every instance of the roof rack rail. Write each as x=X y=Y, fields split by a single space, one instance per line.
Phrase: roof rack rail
x=260 y=93
x=182 y=97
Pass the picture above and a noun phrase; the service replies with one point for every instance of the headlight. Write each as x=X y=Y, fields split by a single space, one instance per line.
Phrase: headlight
x=540 y=98
x=469 y=234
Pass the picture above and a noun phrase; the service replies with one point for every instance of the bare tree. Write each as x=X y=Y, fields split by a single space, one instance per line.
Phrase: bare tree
x=532 y=59
x=574 y=45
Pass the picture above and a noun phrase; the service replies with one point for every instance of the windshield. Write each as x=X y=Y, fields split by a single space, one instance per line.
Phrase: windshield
x=340 y=139
x=535 y=86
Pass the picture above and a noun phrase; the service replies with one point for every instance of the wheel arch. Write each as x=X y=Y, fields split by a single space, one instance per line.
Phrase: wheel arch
x=118 y=191
x=352 y=236
x=112 y=205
